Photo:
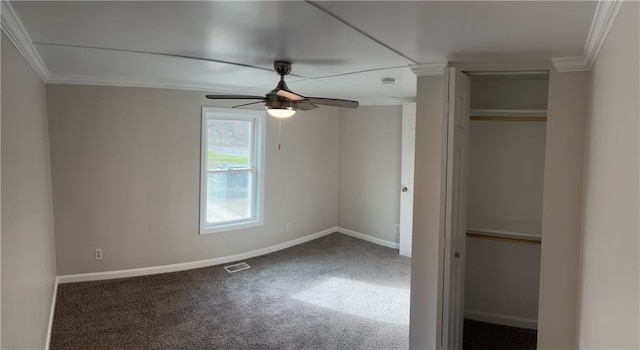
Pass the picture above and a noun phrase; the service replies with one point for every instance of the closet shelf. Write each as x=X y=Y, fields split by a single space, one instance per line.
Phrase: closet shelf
x=530 y=115
x=509 y=230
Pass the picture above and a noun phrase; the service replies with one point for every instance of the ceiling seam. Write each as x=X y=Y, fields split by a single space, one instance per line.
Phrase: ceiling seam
x=357 y=72
x=370 y=37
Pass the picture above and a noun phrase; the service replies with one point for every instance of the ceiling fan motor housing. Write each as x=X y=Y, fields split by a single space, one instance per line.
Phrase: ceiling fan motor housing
x=276 y=102
x=282 y=67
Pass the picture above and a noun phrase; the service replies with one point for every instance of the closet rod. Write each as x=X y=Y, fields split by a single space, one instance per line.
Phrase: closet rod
x=504 y=239
x=508 y=119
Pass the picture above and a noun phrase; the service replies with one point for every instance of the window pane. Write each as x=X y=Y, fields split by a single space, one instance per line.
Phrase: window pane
x=231 y=174
x=228 y=196
x=228 y=144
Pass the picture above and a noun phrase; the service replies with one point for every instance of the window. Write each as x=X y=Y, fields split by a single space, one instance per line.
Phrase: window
x=232 y=171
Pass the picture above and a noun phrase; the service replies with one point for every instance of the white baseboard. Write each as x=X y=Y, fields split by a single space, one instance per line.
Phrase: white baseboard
x=51 y=313
x=368 y=238
x=505 y=320
x=84 y=277
x=96 y=276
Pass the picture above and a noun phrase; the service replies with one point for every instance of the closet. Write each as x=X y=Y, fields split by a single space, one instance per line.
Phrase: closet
x=504 y=198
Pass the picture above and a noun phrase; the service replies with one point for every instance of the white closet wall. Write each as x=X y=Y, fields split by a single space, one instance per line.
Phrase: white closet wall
x=506 y=171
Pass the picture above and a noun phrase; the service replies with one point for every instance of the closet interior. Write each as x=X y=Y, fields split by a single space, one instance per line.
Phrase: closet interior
x=504 y=198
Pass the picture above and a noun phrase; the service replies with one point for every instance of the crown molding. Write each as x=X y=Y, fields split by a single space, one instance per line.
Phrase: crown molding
x=65 y=79
x=14 y=30
x=429 y=70
x=384 y=101
x=603 y=19
x=571 y=64
x=606 y=12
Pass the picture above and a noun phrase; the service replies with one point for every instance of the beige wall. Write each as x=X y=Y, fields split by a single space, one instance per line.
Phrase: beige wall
x=428 y=213
x=28 y=249
x=126 y=178
x=609 y=284
x=561 y=210
x=370 y=149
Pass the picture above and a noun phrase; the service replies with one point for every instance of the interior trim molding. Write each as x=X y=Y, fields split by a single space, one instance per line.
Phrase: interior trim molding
x=368 y=238
x=53 y=309
x=14 y=30
x=505 y=320
x=606 y=12
x=429 y=70
x=107 y=275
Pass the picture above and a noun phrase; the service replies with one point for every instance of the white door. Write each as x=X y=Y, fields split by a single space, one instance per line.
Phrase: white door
x=406 y=176
x=456 y=216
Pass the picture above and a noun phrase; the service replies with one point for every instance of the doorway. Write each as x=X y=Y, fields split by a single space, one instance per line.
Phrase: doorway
x=495 y=169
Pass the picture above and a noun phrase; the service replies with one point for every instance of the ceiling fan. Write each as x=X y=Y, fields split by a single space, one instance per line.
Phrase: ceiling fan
x=282 y=102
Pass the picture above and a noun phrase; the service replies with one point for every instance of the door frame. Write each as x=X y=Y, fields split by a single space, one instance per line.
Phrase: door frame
x=556 y=319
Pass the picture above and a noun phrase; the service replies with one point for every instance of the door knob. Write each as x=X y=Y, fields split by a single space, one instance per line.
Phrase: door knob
x=456 y=255
x=405 y=189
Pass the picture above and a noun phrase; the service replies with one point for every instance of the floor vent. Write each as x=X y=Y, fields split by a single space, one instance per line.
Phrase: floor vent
x=237 y=267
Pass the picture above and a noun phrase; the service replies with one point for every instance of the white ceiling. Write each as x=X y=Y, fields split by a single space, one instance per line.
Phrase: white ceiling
x=340 y=49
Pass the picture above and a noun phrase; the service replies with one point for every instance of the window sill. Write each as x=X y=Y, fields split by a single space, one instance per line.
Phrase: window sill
x=230 y=227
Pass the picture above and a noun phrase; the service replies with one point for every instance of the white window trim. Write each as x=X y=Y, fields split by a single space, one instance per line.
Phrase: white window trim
x=258 y=173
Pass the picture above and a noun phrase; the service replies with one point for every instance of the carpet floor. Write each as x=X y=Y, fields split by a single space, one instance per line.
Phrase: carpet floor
x=487 y=336
x=336 y=292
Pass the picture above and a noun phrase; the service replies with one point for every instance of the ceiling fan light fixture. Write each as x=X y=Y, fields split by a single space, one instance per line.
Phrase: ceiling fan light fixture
x=280 y=108
x=281 y=113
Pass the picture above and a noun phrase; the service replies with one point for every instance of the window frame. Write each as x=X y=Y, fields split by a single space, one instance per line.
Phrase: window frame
x=256 y=166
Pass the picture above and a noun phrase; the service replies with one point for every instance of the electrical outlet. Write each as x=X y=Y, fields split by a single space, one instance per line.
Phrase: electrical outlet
x=289 y=227
x=397 y=228
x=98 y=254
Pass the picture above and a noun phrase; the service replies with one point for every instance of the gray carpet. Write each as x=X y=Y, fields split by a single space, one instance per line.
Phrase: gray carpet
x=336 y=292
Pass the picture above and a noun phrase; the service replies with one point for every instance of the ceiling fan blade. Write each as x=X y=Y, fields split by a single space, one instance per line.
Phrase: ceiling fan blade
x=333 y=102
x=306 y=105
x=235 y=97
x=289 y=95
x=247 y=104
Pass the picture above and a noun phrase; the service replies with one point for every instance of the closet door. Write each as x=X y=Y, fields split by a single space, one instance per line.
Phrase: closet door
x=456 y=216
